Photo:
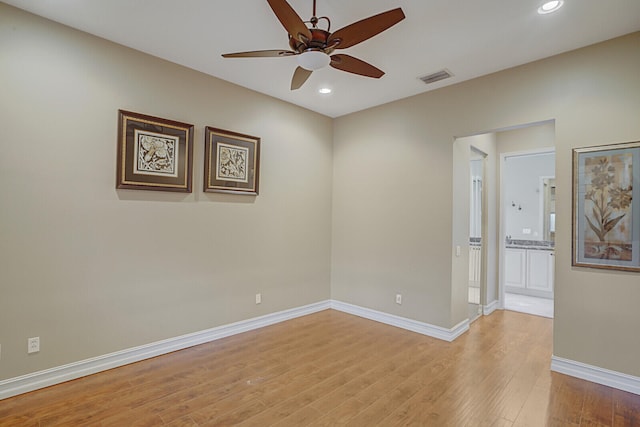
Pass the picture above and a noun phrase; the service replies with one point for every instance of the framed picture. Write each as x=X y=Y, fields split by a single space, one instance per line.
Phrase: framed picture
x=154 y=153
x=606 y=207
x=232 y=162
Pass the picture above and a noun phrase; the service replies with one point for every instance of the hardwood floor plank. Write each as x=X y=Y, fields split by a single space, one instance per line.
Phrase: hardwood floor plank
x=185 y=401
x=566 y=408
x=183 y=422
x=331 y=369
x=344 y=392
x=299 y=418
x=598 y=406
x=236 y=416
x=285 y=374
x=500 y=422
x=289 y=397
x=450 y=393
x=534 y=412
x=38 y=403
x=514 y=395
x=416 y=374
x=19 y=421
x=626 y=409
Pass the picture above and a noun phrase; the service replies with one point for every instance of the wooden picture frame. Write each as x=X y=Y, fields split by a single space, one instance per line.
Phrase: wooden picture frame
x=606 y=207
x=232 y=162
x=154 y=153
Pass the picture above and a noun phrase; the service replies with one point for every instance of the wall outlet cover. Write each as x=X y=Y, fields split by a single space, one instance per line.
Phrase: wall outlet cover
x=33 y=345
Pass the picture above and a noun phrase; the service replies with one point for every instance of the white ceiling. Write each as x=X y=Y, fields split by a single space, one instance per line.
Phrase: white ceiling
x=468 y=37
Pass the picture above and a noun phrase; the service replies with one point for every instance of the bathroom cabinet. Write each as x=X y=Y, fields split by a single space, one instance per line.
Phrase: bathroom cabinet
x=529 y=271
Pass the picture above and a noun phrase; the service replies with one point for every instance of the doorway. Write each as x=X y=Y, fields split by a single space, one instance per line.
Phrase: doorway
x=523 y=139
x=528 y=206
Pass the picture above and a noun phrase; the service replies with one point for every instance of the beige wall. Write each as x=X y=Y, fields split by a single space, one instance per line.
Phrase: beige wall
x=91 y=269
x=536 y=137
x=392 y=213
x=393 y=206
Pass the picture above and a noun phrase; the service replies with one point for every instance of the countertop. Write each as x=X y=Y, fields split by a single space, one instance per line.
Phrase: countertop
x=541 y=245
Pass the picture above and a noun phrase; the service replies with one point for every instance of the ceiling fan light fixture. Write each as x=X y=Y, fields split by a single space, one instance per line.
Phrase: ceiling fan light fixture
x=550 y=6
x=313 y=60
x=324 y=90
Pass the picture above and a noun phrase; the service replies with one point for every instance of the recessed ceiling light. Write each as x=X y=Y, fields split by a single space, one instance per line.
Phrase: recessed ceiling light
x=550 y=6
x=324 y=90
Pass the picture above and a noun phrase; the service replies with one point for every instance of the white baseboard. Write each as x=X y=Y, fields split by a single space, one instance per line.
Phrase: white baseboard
x=595 y=374
x=23 y=384
x=402 y=322
x=491 y=307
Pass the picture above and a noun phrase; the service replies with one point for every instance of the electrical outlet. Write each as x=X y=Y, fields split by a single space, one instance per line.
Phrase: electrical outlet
x=398 y=298
x=33 y=345
x=258 y=298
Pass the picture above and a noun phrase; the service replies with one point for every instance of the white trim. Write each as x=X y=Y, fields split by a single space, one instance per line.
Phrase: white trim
x=23 y=384
x=36 y=380
x=491 y=307
x=595 y=374
x=402 y=322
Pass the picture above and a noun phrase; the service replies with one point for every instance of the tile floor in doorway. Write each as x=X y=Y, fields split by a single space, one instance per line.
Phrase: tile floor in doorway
x=531 y=305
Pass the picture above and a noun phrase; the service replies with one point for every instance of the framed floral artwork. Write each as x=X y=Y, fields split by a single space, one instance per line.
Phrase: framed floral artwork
x=606 y=207
x=232 y=162
x=154 y=153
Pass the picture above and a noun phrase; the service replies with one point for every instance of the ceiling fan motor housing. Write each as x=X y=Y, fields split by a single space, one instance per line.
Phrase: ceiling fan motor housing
x=318 y=41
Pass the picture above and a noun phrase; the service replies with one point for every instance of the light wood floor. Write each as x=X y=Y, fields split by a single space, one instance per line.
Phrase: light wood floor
x=332 y=368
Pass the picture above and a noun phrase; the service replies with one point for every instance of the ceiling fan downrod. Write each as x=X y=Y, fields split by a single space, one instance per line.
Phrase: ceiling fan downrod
x=314 y=19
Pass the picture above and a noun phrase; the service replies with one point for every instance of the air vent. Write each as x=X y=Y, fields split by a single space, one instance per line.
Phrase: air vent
x=437 y=76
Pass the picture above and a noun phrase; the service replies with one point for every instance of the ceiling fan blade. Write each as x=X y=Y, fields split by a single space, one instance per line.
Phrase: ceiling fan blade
x=356 y=66
x=299 y=77
x=290 y=20
x=365 y=29
x=260 y=54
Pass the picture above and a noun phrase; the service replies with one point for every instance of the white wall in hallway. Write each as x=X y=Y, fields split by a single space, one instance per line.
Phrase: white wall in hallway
x=523 y=194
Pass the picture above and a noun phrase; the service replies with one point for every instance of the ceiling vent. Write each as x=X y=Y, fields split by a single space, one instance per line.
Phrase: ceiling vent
x=437 y=76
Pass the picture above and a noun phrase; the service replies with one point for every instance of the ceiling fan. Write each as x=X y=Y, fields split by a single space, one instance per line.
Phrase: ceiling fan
x=314 y=46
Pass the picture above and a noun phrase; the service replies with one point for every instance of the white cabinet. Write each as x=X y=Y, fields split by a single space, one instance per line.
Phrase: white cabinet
x=515 y=267
x=529 y=271
x=540 y=270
